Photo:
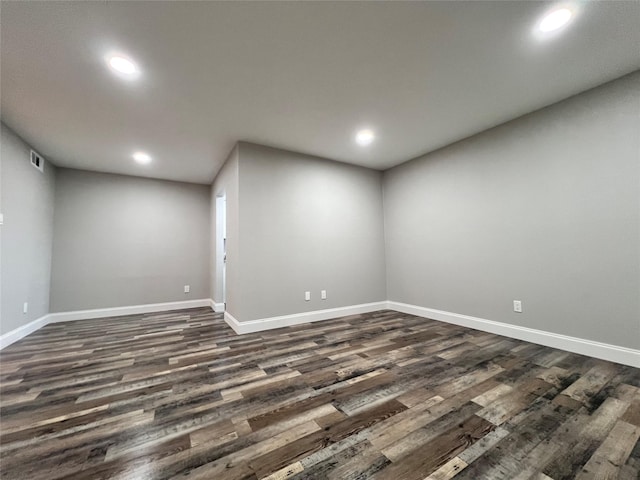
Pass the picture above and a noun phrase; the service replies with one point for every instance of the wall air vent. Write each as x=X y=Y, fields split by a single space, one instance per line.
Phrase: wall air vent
x=37 y=161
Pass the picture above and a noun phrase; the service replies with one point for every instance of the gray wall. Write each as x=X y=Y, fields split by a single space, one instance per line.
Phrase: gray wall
x=122 y=241
x=307 y=224
x=26 y=200
x=226 y=183
x=544 y=209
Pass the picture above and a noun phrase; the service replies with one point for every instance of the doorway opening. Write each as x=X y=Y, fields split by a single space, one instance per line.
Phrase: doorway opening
x=221 y=252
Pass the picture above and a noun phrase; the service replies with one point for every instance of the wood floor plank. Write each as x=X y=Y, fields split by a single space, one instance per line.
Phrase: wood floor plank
x=382 y=395
x=612 y=454
x=424 y=460
x=590 y=383
x=578 y=450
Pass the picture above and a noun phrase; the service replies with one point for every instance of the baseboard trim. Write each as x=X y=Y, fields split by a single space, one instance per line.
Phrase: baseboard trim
x=235 y=325
x=271 y=323
x=21 y=332
x=216 y=307
x=129 y=310
x=604 y=351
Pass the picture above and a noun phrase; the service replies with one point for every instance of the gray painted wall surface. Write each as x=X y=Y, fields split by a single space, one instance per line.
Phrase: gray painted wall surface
x=307 y=224
x=122 y=241
x=226 y=183
x=26 y=200
x=544 y=209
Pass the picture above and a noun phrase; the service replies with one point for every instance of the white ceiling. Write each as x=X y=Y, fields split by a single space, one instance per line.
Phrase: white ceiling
x=302 y=76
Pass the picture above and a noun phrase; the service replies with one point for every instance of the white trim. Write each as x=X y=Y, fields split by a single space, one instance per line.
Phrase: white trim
x=130 y=310
x=605 y=351
x=270 y=323
x=235 y=325
x=216 y=307
x=21 y=332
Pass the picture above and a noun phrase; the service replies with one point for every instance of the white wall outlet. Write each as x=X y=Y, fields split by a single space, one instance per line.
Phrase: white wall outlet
x=25 y=307
x=323 y=294
x=517 y=306
x=187 y=288
x=307 y=296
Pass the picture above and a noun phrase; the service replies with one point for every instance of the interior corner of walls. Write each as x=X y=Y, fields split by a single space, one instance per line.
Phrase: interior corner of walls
x=19 y=333
x=13 y=336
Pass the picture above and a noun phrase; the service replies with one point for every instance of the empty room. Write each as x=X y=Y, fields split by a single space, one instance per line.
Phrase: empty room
x=343 y=240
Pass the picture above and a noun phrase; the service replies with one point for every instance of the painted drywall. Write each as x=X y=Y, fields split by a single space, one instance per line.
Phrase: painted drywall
x=544 y=209
x=226 y=184
x=307 y=224
x=122 y=241
x=26 y=201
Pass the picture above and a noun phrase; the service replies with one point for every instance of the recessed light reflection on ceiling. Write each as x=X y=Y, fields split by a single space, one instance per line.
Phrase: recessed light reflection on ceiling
x=123 y=66
x=555 y=20
x=142 y=158
x=365 y=137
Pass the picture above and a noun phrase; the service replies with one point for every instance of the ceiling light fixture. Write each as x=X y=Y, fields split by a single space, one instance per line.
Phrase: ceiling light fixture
x=123 y=66
x=142 y=158
x=555 y=20
x=365 y=137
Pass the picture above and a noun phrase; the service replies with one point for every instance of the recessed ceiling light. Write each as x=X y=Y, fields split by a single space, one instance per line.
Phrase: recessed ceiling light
x=365 y=137
x=123 y=66
x=555 y=20
x=142 y=158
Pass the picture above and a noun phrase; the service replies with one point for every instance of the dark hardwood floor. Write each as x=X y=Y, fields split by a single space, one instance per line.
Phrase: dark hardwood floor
x=382 y=395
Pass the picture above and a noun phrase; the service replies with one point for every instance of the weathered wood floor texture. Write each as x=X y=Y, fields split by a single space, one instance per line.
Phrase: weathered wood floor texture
x=382 y=395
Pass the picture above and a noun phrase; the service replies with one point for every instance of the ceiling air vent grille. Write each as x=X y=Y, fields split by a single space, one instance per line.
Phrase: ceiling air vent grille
x=37 y=161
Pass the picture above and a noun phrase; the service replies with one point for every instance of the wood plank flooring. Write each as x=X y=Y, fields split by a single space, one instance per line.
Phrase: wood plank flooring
x=382 y=395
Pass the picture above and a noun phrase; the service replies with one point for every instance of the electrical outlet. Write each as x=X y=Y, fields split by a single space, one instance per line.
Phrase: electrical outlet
x=517 y=306
x=323 y=294
x=25 y=307
x=187 y=288
x=307 y=296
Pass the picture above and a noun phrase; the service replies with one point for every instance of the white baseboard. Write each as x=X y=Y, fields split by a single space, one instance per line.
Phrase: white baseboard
x=130 y=310
x=605 y=351
x=234 y=324
x=216 y=307
x=270 y=323
x=21 y=332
